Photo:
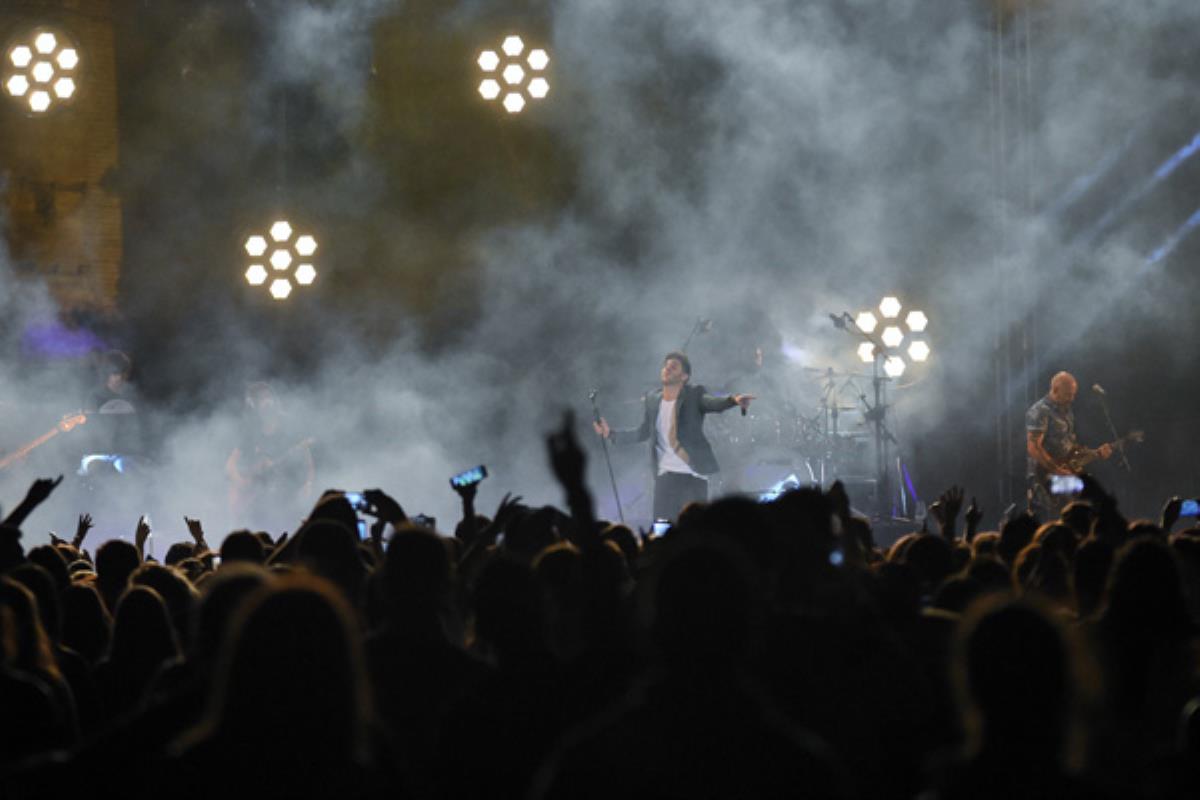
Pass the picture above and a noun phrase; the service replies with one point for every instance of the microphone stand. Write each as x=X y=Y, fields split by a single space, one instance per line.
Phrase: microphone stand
x=607 y=459
x=1113 y=429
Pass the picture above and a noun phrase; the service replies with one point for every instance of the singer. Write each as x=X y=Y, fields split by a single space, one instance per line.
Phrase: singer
x=1050 y=442
x=673 y=422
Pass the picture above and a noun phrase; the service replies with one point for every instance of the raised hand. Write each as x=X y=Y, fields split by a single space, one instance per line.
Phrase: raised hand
x=81 y=529
x=196 y=530
x=946 y=509
x=141 y=534
x=566 y=457
x=388 y=509
x=973 y=517
x=41 y=489
x=1170 y=513
x=601 y=428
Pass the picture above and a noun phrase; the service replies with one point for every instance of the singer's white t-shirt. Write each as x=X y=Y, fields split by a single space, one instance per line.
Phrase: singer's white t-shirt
x=668 y=459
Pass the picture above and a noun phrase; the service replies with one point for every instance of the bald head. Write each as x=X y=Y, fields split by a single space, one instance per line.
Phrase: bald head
x=1063 y=387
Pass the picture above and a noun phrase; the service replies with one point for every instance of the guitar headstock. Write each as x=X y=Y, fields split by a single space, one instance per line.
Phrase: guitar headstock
x=72 y=421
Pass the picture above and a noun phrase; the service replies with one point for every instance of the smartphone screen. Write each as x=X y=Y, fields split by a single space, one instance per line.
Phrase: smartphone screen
x=1066 y=484
x=357 y=501
x=1191 y=508
x=363 y=533
x=661 y=526
x=473 y=475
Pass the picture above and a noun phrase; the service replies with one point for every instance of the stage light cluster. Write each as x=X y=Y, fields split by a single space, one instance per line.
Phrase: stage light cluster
x=514 y=72
x=895 y=333
x=281 y=261
x=41 y=71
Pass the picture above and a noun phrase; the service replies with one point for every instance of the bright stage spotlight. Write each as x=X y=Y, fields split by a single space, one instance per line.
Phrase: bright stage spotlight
x=523 y=78
x=38 y=71
x=894 y=366
x=900 y=346
x=287 y=251
x=892 y=336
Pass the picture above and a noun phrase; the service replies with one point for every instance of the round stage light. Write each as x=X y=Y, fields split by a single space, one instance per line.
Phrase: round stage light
x=21 y=56
x=256 y=275
x=488 y=61
x=892 y=336
x=34 y=70
x=306 y=245
x=281 y=288
x=281 y=260
x=512 y=74
x=918 y=351
x=256 y=246
x=305 y=274
x=894 y=366
x=916 y=321
x=17 y=85
x=513 y=46
x=889 y=307
x=538 y=88
x=289 y=263
x=866 y=322
x=281 y=231
x=489 y=89
x=866 y=352
x=42 y=71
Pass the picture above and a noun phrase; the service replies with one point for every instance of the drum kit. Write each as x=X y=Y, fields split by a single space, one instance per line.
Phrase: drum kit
x=814 y=434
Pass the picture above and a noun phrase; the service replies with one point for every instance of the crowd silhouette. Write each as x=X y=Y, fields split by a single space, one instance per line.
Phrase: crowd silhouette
x=755 y=650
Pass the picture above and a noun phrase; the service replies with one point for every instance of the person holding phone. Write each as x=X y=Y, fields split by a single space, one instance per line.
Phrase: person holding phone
x=1050 y=440
x=673 y=422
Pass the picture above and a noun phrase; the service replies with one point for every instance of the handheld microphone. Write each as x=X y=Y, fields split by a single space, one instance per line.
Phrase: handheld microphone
x=1098 y=389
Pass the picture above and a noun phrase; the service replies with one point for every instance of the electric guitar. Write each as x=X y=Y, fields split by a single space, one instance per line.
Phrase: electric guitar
x=1080 y=457
x=264 y=475
x=67 y=423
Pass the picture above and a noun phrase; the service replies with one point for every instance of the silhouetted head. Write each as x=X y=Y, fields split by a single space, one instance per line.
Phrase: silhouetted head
x=1058 y=537
x=992 y=574
x=1014 y=536
x=1145 y=590
x=1014 y=668
x=220 y=601
x=115 y=562
x=533 y=532
x=932 y=558
x=331 y=550
x=291 y=677
x=956 y=593
x=242 y=546
x=175 y=589
x=51 y=560
x=177 y=552
x=87 y=625
x=509 y=610
x=41 y=585
x=702 y=608
x=1078 y=516
x=625 y=540
x=143 y=637
x=417 y=576
x=24 y=644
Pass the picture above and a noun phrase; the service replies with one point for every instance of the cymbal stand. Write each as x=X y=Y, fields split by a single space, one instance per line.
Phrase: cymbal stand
x=875 y=413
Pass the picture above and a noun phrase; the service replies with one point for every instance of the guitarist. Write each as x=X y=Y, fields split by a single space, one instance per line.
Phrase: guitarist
x=271 y=470
x=1050 y=436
